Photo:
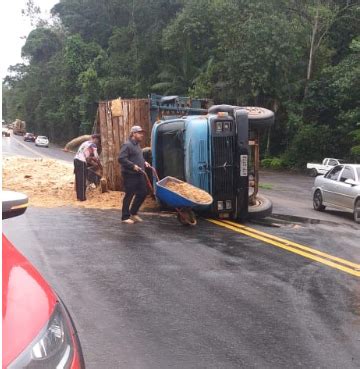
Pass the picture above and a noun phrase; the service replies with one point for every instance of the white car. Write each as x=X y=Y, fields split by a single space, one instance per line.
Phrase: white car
x=42 y=141
x=340 y=187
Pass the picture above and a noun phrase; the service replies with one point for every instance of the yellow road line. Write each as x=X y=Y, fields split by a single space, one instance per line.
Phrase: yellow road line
x=294 y=244
x=353 y=269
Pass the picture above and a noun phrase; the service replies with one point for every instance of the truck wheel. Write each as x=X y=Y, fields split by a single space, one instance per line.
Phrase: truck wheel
x=318 y=201
x=259 y=118
x=222 y=108
x=357 y=211
x=313 y=172
x=262 y=208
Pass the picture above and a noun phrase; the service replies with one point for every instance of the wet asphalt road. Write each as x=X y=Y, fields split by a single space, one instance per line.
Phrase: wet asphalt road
x=158 y=295
x=291 y=195
x=15 y=145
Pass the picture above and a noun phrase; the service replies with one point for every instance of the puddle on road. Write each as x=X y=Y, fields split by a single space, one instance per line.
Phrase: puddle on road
x=293 y=221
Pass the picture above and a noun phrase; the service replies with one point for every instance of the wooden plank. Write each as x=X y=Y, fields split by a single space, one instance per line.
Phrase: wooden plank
x=126 y=120
x=142 y=121
x=110 y=141
x=137 y=106
x=103 y=133
x=121 y=130
x=147 y=122
x=116 y=125
x=132 y=114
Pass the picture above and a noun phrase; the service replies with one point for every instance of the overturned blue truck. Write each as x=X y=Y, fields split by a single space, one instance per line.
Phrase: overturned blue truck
x=215 y=149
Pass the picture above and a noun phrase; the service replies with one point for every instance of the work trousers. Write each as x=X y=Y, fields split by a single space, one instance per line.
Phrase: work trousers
x=80 y=179
x=135 y=194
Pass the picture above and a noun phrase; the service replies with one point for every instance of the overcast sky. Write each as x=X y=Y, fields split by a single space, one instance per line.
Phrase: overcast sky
x=14 y=27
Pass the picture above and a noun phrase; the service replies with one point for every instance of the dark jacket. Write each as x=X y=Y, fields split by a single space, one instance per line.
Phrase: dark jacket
x=131 y=154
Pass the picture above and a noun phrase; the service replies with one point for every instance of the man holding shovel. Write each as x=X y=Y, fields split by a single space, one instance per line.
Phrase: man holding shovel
x=132 y=169
x=86 y=155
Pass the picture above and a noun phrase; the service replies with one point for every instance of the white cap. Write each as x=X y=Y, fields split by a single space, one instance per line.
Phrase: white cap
x=136 y=129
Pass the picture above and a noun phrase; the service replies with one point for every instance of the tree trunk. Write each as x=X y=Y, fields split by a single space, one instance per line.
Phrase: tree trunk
x=312 y=48
x=312 y=51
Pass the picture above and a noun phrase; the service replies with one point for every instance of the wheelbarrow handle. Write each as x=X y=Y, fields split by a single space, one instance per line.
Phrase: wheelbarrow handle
x=148 y=183
x=154 y=172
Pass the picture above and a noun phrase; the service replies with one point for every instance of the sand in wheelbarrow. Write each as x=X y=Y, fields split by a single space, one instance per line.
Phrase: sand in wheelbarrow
x=190 y=192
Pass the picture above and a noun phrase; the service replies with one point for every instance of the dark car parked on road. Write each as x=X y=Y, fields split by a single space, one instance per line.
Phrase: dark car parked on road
x=30 y=137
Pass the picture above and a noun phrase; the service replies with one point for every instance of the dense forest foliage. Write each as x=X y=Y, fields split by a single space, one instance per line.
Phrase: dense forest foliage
x=300 y=58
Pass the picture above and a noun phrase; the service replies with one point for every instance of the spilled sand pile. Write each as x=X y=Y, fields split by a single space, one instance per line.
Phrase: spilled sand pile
x=50 y=183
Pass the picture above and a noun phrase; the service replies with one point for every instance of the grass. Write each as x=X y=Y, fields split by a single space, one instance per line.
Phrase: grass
x=266 y=186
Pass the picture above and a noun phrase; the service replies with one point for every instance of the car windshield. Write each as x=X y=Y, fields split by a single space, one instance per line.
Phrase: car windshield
x=43 y=137
x=341 y=161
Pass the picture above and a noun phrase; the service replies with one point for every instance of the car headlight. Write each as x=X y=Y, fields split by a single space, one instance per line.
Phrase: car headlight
x=220 y=205
x=52 y=348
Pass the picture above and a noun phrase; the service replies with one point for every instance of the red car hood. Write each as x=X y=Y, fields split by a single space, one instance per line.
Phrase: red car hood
x=27 y=302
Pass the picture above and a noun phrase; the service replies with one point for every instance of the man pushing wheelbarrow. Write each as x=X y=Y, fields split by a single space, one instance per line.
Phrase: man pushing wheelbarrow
x=132 y=168
x=176 y=194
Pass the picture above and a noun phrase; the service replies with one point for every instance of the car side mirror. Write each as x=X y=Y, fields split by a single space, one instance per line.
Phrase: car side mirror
x=350 y=182
x=13 y=204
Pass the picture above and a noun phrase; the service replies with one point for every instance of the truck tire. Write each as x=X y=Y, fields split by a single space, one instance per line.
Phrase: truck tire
x=262 y=208
x=222 y=108
x=259 y=118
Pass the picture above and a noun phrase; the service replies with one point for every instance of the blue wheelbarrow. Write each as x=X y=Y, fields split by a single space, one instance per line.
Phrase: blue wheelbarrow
x=184 y=206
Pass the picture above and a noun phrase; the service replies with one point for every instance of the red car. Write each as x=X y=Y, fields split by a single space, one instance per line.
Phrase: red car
x=37 y=330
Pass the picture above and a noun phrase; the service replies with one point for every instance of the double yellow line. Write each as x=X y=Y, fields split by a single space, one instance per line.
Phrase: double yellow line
x=305 y=251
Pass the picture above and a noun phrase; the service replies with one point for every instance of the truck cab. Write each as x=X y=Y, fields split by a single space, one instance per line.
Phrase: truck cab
x=210 y=152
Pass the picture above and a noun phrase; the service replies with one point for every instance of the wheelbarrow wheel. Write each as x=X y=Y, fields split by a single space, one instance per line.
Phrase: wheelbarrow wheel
x=186 y=217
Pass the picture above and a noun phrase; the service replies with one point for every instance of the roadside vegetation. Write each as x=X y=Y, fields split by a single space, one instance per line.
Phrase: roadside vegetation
x=297 y=58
